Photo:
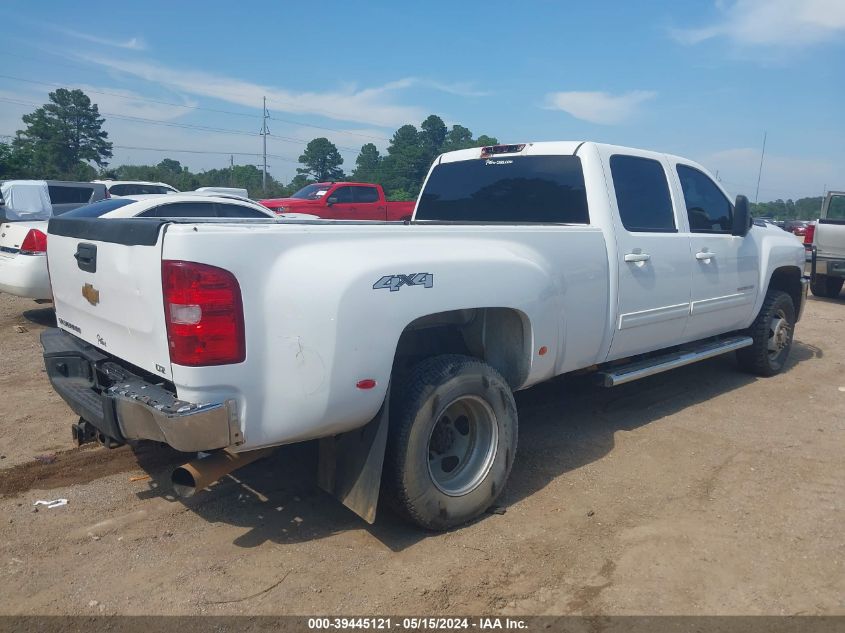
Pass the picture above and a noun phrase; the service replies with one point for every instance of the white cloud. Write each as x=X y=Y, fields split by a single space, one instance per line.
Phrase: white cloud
x=132 y=44
x=782 y=177
x=460 y=88
x=598 y=107
x=200 y=149
x=785 y=23
x=129 y=103
x=371 y=106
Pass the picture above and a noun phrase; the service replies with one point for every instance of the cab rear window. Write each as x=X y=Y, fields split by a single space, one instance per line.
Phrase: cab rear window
x=513 y=190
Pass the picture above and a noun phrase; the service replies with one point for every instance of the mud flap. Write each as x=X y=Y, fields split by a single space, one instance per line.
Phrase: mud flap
x=350 y=464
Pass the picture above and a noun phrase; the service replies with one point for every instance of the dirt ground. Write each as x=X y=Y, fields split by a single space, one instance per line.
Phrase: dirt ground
x=702 y=491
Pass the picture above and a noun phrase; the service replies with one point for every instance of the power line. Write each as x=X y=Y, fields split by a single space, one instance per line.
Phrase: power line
x=331 y=129
x=186 y=126
x=132 y=98
x=264 y=132
x=204 y=151
x=760 y=172
x=191 y=107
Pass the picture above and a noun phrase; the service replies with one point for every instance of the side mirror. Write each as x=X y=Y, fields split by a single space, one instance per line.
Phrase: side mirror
x=331 y=201
x=742 y=217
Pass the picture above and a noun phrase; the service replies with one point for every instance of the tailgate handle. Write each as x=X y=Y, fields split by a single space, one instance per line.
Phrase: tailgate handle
x=86 y=257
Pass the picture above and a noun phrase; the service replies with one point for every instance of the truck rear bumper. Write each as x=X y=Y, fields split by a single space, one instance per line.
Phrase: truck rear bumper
x=125 y=406
x=833 y=266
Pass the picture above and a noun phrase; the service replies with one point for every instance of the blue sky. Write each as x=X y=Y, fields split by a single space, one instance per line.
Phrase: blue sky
x=701 y=79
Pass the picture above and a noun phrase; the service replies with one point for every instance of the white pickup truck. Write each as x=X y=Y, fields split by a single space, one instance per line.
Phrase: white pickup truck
x=399 y=346
x=827 y=236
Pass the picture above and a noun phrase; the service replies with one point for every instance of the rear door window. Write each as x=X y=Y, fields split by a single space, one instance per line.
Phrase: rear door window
x=202 y=210
x=96 y=209
x=708 y=209
x=642 y=194
x=65 y=194
x=514 y=190
x=365 y=195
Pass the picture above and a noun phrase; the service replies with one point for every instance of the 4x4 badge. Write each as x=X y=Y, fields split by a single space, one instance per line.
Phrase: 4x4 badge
x=91 y=294
x=395 y=282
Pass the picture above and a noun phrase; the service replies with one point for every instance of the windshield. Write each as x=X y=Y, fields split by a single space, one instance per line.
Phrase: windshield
x=96 y=209
x=311 y=192
x=544 y=189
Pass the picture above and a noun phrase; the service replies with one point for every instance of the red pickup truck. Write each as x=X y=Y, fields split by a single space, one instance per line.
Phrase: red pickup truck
x=342 y=201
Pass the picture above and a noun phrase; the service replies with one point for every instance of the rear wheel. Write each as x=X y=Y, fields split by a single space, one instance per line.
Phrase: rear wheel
x=771 y=332
x=826 y=286
x=452 y=440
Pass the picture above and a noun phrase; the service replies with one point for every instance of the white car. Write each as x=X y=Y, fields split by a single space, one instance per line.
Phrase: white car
x=120 y=188
x=23 y=245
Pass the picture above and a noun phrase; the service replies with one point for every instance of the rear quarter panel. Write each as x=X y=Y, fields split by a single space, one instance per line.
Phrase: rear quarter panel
x=315 y=325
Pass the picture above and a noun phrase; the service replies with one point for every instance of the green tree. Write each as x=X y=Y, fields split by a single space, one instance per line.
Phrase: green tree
x=484 y=140
x=13 y=164
x=321 y=161
x=368 y=164
x=433 y=134
x=62 y=137
x=458 y=137
x=406 y=161
x=171 y=166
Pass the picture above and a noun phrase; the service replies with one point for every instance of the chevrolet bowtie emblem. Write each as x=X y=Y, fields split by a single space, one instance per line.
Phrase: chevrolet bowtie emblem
x=91 y=294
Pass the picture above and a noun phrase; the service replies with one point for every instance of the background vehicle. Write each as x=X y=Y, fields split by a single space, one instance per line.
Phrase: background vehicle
x=235 y=191
x=342 y=201
x=796 y=227
x=66 y=195
x=402 y=344
x=826 y=238
x=23 y=245
x=117 y=188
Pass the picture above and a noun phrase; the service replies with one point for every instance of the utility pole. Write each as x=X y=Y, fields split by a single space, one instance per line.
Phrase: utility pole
x=760 y=172
x=264 y=132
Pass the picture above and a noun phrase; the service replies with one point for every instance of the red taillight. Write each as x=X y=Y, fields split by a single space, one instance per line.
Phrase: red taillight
x=204 y=314
x=34 y=243
x=809 y=233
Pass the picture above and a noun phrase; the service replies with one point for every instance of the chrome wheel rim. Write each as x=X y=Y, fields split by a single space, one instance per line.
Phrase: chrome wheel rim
x=779 y=334
x=462 y=446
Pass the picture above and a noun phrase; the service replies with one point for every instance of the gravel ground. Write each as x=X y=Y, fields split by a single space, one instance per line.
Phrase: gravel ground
x=702 y=491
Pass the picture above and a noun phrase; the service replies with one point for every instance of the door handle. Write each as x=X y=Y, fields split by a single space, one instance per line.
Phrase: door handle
x=637 y=257
x=705 y=256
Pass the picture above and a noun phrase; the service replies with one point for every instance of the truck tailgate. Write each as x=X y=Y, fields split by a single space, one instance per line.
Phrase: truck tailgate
x=830 y=238
x=106 y=278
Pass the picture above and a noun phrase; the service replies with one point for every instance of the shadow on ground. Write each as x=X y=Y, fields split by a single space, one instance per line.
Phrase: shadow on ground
x=45 y=317
x=564 y=424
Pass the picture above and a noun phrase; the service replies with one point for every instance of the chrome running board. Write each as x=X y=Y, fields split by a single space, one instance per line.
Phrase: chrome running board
x=634 y=371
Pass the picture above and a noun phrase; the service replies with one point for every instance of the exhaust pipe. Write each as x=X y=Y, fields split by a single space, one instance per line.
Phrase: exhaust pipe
x=201 y=473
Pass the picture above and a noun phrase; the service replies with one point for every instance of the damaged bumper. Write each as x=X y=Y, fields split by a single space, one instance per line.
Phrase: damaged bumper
x=122 y=405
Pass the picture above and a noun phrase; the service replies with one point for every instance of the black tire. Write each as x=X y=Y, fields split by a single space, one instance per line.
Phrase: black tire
x=449 y=405
x=772 y=332
x=825 y=286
